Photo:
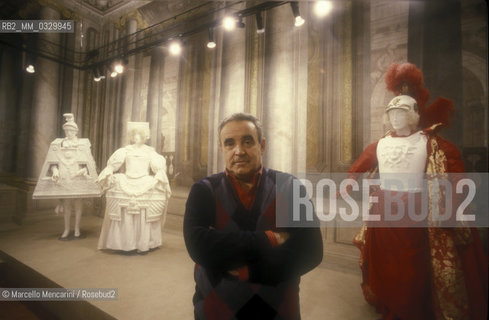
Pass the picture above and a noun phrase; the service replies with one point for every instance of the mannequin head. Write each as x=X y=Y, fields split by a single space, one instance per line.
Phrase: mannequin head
x=399 y=119
x=401 y=115
x=71 y=130
x=138 y=136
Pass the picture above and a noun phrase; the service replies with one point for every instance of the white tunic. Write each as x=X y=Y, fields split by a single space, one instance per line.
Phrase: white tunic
x=402 y=162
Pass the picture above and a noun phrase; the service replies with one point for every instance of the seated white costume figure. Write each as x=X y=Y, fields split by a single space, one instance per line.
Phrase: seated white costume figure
x=137 y=197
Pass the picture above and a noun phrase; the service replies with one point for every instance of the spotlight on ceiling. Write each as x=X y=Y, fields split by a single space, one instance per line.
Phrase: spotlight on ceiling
x=211 y=44
x=119 y=67
x=175 y=48
x=28 y=62
x=260 y=28
x=299 y=21
x=114 y=74
x=229 y=23
x=30 y=68
x=98 y=74
x=323 y=8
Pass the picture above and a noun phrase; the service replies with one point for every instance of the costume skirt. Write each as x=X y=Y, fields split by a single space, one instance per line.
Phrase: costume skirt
x=410 y=272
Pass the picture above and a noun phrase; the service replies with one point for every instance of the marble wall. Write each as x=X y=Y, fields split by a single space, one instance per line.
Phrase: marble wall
x=474 y=86
x=389 y=43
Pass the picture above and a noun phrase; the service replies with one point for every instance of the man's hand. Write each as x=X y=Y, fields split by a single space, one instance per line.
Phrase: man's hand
x=281 y=237
x=82 y=172
x=55 y=176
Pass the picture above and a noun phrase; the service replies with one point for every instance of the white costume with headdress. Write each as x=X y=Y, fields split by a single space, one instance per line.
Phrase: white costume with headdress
x=69 y=174
x=137 y=197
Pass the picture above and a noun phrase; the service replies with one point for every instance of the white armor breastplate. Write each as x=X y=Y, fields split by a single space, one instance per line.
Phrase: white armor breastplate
x=402 y=162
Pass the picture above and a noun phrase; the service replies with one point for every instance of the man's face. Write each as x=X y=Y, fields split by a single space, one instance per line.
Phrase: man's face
x=241 y=149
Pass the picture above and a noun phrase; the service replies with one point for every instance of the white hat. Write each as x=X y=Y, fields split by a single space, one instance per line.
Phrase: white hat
x=70 y=122
x=402 y=102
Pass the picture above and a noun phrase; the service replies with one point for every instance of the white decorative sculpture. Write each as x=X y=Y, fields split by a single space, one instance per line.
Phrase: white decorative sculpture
x=68 y=174
x=137 y=197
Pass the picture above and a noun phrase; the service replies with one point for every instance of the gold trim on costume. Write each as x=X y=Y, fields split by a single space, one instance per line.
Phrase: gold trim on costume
x=449 y=294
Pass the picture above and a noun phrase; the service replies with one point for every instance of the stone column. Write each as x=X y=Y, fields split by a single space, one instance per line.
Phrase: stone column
x=285 y=91
x=215 y=160
x=153 y=96
x=231 y=58
x=168 y=102
x=24 y=123
x=45 y=116
x=233 y=72
x=78 y=86
x=128 y=87
x=389 y=43
x=141 y=78
x=9 y=76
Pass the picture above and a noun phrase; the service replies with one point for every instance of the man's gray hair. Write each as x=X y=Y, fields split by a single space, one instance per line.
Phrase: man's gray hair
x=242 y=117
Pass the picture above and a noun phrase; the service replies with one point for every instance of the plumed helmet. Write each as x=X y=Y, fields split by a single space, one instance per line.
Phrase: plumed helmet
x=70 y=122
x=405 y=80
x=402 y=102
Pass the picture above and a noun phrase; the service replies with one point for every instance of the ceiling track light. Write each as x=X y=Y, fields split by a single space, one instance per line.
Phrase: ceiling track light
x=105 y=54
x=323 y=8
x=260 y=28
x=30 y=68
x=240 y=23
x=299 y=21
x=232 y=22
x=119 y=67
x=175 y=47
x=98 y=74
x=28 y=62
x=111 y=69
x=229 y=23
x=211 y=44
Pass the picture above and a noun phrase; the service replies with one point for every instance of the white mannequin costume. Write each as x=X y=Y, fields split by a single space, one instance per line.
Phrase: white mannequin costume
x=68 y=174
x=137 y=198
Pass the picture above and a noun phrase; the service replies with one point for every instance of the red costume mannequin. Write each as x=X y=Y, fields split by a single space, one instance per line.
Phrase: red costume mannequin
x=418 y=272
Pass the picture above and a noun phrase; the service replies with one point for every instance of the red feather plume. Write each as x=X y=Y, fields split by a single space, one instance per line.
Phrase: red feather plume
x=407 y=79
x=441 y=111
